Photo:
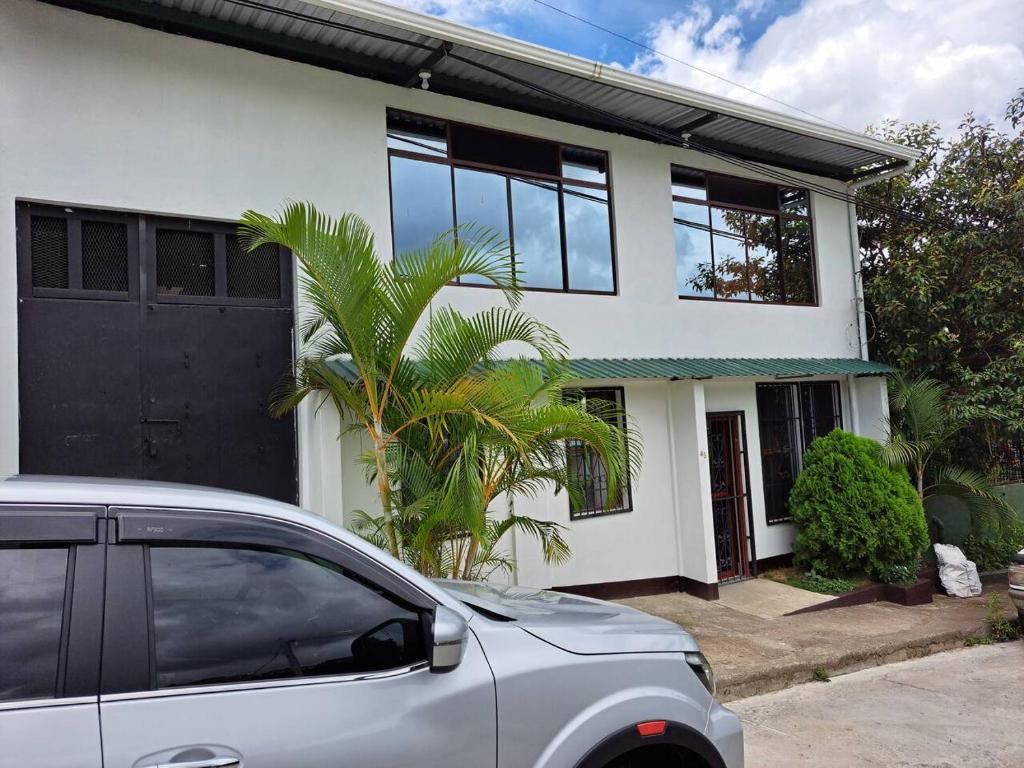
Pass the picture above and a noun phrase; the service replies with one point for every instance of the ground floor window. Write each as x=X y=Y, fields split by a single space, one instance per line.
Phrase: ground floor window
x=587 y=466
x=789 y=418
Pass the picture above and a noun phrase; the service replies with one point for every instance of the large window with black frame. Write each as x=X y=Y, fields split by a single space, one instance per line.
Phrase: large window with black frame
x=550 y=201
x=741 y=240
x=790 y=416
x=587 y=467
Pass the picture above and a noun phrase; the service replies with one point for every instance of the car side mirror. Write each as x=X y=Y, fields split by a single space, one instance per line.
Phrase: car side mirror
x=448 y=643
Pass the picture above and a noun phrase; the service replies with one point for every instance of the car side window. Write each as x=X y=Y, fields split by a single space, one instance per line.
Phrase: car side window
x=231 y=615
x=33 y=581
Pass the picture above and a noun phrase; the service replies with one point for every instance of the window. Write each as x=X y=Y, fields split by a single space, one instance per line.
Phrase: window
x=550 y=201
x=790 y=417
x=32 y=586
x=587 y=466
x=227 y=615
x=740 y=240
x=203 y=262
x=79 y=253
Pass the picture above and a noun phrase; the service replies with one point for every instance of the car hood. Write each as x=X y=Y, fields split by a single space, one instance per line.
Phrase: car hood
x=573 y=623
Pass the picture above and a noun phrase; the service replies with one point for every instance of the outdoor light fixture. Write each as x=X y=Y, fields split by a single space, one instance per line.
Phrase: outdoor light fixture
x=425 y=79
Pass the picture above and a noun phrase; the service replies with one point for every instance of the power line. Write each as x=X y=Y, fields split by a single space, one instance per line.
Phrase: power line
x=634 y=126
x=694 y=67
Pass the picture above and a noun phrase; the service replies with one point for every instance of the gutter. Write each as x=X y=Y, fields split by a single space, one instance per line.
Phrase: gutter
x=501 y=45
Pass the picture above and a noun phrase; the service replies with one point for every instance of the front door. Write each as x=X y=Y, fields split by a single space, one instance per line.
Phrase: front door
x=728 y=493
x=149 y=349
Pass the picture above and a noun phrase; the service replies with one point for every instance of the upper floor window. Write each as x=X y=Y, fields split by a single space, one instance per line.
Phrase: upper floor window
x=741 y=240
x=550 y=201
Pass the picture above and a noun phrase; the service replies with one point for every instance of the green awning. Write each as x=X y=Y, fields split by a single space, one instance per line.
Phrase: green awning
x=701 y=367
x=716 y=367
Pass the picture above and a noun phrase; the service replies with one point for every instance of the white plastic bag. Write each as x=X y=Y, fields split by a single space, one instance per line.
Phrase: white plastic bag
x=959 y=576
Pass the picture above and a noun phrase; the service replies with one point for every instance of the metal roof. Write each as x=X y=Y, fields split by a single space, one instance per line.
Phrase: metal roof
x=373 y=39
x=675 y=368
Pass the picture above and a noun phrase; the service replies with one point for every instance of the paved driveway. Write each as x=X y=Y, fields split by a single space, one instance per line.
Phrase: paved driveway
x=961 y=708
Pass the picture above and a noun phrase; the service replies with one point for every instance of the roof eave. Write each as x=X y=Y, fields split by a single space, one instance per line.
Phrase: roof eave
x=530 y=53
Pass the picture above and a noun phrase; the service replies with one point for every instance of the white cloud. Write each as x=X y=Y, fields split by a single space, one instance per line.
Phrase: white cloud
x=855 y=62
x=478 y=13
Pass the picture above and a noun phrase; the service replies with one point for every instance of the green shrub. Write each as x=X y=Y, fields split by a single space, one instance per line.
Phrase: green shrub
x=853 y=513
x=815 y=582
x=991 y=551
x=900 y=573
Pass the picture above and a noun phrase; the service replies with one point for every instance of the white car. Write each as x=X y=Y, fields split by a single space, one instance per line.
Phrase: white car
x=147 y=625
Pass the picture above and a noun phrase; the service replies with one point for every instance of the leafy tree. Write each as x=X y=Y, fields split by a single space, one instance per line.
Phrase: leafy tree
x=943 y=284
x=427 y=390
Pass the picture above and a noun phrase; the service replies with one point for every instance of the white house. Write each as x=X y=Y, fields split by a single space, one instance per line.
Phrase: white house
x=698 y=255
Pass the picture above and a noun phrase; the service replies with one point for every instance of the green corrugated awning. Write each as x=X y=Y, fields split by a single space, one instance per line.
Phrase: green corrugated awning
x=716 y=367
x=702 y=367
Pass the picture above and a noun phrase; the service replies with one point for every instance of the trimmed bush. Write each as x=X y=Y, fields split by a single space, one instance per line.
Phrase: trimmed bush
x=853 y=513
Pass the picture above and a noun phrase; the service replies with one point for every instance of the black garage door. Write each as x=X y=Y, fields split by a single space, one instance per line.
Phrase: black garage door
x=149 y=348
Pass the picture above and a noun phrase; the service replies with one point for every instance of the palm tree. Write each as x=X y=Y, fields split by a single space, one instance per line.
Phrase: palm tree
x=921 y=426
x=455 y=534
x=450 y=425
x=367 y=310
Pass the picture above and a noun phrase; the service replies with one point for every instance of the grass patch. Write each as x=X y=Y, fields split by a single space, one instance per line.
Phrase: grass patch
x=821 y=675
x=1000 y=628
x=826 y=585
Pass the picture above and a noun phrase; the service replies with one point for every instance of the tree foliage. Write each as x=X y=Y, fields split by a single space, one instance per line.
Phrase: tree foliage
x=450 y=426
x=943 y=286
x=923 y=424
x=854 y=514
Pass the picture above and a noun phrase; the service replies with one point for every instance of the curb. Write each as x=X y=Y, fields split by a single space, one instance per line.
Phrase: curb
x=795 y=673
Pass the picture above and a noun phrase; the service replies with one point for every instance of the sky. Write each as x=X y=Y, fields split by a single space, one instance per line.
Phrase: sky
x=851 y=62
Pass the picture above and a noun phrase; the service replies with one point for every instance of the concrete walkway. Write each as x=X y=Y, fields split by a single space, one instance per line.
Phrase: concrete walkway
x=752 y=654
x=767 y=599
x=960 y=708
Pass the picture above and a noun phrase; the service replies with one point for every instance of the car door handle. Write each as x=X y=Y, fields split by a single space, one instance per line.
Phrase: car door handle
x=213 y=762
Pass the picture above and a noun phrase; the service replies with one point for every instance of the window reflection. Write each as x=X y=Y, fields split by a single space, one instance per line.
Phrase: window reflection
x=694 y=271
x=421 y=203
x=730 y=253
x=588 y=240
x=224 y=615
x=537 y=233
x=759 y=244
x=556 y=197
x=31 y=607
x=481 y=200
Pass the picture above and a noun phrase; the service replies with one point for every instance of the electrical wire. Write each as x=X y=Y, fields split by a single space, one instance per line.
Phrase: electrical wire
x=694 y=67
x=634 y=126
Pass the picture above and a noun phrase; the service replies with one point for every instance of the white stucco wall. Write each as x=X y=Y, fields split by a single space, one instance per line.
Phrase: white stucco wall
x=105 y=114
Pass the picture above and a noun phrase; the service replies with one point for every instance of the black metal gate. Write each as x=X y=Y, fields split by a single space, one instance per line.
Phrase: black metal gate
x=149 y=348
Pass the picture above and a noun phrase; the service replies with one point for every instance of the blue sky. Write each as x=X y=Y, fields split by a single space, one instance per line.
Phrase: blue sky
x=631 y=18
x=852 y=62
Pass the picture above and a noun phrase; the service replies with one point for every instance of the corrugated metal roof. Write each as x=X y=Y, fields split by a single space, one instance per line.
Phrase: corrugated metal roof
x=672 y=368
x=390 y=44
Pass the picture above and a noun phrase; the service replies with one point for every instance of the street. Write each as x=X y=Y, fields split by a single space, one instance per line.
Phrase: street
x=959 y=708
